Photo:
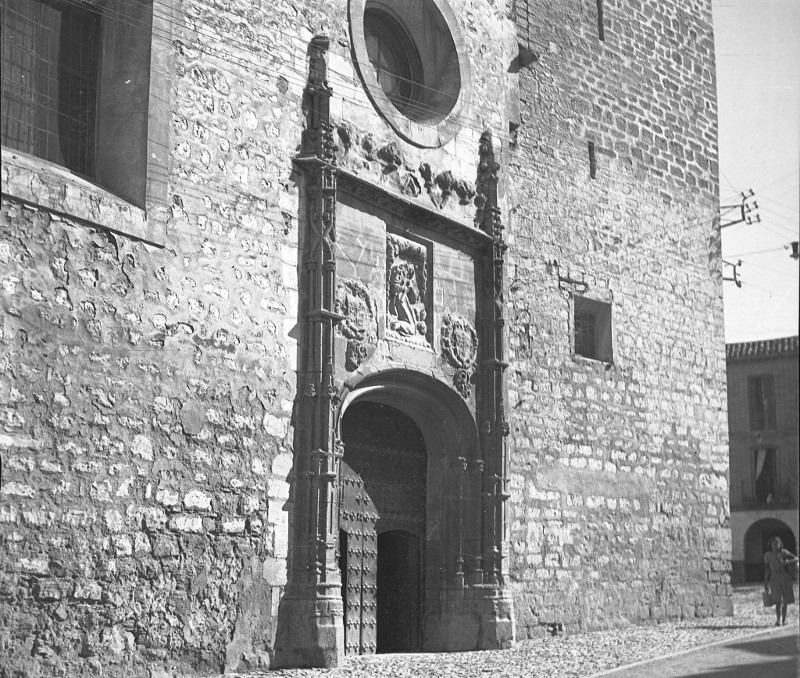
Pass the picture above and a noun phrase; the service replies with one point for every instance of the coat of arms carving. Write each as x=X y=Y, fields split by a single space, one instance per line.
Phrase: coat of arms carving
x=460 y=348
x=355 y=304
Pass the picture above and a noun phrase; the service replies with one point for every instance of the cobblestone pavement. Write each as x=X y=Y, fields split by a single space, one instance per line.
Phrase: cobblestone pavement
x=564 y=656
x=773 y=654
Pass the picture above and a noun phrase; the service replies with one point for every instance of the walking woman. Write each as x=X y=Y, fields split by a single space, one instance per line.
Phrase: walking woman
x=778 y=578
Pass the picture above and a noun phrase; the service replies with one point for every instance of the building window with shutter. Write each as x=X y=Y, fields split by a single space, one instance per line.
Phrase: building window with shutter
x=761 y=396
x=764 y=472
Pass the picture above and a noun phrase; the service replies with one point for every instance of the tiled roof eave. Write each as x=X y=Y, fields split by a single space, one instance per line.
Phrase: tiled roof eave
x=766 y=348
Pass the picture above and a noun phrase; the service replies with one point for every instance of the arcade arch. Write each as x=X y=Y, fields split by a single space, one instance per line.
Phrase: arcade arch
x=756 y=543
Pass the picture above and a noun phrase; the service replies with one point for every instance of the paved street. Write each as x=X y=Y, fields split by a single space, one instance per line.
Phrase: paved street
x=773 y=654
x=746 y=645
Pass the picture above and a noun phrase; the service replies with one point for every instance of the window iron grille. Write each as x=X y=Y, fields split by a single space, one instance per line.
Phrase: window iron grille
x=50 y=60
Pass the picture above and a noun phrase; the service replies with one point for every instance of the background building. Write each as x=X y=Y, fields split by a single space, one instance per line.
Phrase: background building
x=317 y=315
x=765 y=448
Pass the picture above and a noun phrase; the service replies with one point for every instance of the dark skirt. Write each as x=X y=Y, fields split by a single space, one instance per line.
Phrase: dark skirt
x=781 y=586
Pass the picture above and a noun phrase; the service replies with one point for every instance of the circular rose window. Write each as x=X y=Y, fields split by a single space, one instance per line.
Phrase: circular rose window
x=410 y=60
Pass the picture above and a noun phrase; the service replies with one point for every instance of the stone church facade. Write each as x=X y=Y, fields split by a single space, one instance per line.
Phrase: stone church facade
x=341 y=327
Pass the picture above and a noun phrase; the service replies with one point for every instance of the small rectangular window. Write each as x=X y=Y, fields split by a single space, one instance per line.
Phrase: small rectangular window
x=764 y=472
x=601 y=29
x=592 y=329
x=761 y=397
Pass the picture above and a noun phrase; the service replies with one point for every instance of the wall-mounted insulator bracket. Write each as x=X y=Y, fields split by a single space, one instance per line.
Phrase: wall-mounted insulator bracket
x=745 y=211
x=735 y=279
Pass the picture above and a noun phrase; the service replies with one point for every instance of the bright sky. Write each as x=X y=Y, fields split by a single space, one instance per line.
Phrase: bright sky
x=758 y=85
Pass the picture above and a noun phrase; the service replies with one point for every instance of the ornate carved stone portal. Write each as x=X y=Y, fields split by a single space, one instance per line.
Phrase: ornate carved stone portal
x=399 y=479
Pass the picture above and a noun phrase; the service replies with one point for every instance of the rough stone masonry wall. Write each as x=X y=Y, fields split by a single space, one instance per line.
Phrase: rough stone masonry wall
x=619 y=497
x=147 y=392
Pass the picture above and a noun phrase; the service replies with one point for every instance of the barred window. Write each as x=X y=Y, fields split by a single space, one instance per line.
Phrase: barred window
x=395 y=60
x=411 y=59
x=75 y=79
x=50 y=60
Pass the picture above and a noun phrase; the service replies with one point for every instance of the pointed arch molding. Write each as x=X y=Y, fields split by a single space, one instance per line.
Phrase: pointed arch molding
x=467 y=605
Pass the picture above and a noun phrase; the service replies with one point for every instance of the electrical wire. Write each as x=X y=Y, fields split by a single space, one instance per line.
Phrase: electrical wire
x=760 y=196
x=473 y=123
x=785 y=212
x=775 y=228
x=728 y=181
x=761 y=189
x=747 y=254
x=238 y=68
x=772 y=270
x=775 y=199
x=745 y=283
x=298 y=77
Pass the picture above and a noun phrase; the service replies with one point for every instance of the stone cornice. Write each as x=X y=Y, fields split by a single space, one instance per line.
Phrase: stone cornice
x=411 y=211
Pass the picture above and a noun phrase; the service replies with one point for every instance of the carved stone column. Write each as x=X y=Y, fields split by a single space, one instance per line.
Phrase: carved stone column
x=310 y=623
x=497 y=624
x=475 y=550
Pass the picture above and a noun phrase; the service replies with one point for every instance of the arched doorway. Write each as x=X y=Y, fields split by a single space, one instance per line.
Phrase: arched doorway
x=756 y=543
x=382 y=515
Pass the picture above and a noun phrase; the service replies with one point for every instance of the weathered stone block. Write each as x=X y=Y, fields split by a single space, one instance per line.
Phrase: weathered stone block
x=233 y=525
x=153 y=518
x=167 y=497
x=86 y=590
x=49 y=590
x=38 y=566
x=18 y=489
x=164 y=546
x=197 y=499
x=186 y=523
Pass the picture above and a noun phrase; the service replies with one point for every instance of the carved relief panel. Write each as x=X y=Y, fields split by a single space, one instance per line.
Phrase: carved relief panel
x=356 y=305
x=407 y=304
x=459 y=343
